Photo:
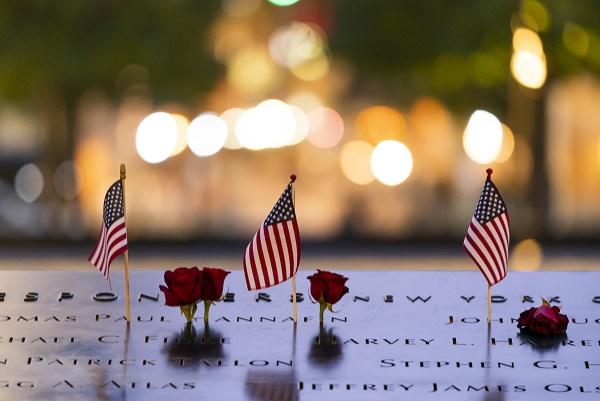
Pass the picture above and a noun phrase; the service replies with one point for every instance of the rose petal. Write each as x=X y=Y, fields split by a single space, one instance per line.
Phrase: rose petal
x=170 y=298
x=213 y=282
x=546 y=312
x=317 y=287
x=525 y=318
x=336 y=290
x=184 y=283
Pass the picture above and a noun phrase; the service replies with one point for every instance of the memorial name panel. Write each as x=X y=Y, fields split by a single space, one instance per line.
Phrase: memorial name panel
x=396 y=335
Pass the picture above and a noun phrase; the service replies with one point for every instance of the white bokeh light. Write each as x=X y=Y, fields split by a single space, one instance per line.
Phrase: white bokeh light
x=277 y=122
x=301 y=125
x=529 y=68
x=207 y=134
x=391 y=162
x=295 y=44
x=247 y=130
x=156 y=137
x=29 y=182
x=182 y=125
x=231 y=116
x=271 y=124
x=482 y=139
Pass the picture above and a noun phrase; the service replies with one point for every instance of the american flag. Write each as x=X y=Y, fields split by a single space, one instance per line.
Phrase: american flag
x=113 y=237
x=273 y=255
x=488 y=235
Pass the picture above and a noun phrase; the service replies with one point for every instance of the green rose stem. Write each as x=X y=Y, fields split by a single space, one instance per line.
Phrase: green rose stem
x=322 y=307
x=207 y=305
x=189 y=311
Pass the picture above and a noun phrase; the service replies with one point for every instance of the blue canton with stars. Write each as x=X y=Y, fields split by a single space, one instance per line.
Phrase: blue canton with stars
x=113 y=204
x=283 y=210
x=490 y=204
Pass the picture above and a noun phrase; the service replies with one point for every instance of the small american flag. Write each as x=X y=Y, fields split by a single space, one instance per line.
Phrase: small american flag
x=273 y=255
x=113 y=237
x=488 y=235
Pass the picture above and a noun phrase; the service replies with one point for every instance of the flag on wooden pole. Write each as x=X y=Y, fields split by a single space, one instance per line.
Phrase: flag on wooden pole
x=488 y=236
x=113 y=233
x=273 y=255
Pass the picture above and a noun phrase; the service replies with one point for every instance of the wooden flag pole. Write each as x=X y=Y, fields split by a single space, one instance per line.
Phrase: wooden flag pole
x=126 y=255
x=295 y=306
x=294 y=299
x=489 y=302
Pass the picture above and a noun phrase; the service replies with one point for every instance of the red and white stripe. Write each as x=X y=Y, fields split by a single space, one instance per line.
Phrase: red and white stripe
x=487 y=245
x=273 y=255
x=112 y=243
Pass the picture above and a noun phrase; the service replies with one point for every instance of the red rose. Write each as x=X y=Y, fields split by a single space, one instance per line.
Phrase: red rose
x=187 y=285
x=327 y=287
x=545 y=320
x=212 y=283
x=183 y=286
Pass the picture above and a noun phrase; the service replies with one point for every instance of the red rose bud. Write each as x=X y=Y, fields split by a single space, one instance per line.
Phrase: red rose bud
x=545 y=320
x=212 y=287
x=211 y=283
x=183 y=286
x=327 y=288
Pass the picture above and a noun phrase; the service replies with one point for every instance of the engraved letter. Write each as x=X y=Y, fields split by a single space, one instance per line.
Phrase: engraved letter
x=105 y=297
x=263 y=296
x=148 y=297
x=31 y=297
x=418 y=298
x=65 y=295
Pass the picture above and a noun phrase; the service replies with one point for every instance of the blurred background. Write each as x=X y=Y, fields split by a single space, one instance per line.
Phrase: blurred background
x=389 y=112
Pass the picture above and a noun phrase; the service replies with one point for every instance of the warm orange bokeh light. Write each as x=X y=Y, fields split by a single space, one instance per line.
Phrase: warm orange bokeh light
x=379 y=123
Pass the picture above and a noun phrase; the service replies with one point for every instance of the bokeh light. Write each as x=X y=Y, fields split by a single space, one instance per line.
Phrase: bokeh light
x=529 y=69
x=67 y=180
x=247 y=130
x=326 y=127
x=527 y=40
x=283 y=3
x=391 y=162
x=312 y=69
x=535 y=15
x=295 y=44
x=576 y=39
x=206 y=134
x=378 y=123
x=305 y=100
x=301 y=125
x=302 y=48
x=156 y=137
x=277 y=122
x=252 y=72
x=482 y=139
x=240 y=8
x=527 y=255
x=29 y=182
x=508 y=144
x=230 y=116
x=355 y=162
x=271 y=124
x=528 y=62
x=182 y=126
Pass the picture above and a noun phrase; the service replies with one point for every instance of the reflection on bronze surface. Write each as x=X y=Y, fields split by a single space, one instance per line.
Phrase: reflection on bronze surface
x=194 y=346
x=542 y=344
x=325 y=348
x=271 y=386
